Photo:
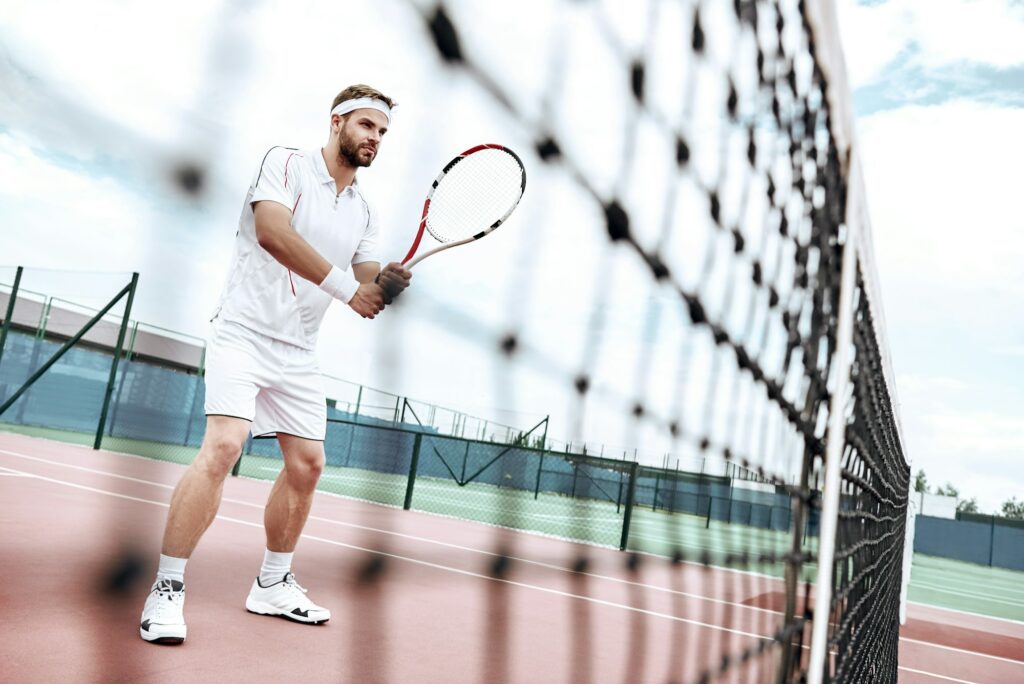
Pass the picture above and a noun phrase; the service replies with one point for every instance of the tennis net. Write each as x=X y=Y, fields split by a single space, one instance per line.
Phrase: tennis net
x=690 y=272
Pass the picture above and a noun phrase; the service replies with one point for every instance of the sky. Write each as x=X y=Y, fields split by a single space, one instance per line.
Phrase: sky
x=94 y=122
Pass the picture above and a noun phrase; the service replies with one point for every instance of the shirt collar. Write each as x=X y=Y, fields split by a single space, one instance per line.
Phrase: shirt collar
x=325 y=176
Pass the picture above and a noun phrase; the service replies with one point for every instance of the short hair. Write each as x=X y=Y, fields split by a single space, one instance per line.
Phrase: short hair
x=361 y=90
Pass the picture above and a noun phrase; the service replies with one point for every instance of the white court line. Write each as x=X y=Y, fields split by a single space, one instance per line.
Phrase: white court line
x=960 y=650
x=468 y=573
x=937 y=676
x=973 y=595
x=437 y=566
x=429 y=540
x=1019 y=623
x=967 y=585
x=440 y=543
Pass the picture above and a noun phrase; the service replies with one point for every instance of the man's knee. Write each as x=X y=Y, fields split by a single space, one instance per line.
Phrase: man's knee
x=306 y=467
x=219 y=453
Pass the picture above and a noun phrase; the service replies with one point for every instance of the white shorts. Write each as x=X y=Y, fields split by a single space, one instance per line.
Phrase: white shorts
x=275 y=385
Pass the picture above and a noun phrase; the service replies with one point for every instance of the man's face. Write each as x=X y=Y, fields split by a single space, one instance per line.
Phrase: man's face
x=360 y=137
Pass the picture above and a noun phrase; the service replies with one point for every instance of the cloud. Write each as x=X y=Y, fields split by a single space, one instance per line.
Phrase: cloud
x=943 y=192
x=933 y=35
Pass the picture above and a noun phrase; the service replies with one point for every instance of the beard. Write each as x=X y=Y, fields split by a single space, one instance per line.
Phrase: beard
x=349 y=152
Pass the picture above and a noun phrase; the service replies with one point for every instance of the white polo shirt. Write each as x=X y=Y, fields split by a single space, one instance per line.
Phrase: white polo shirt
x=262 y=294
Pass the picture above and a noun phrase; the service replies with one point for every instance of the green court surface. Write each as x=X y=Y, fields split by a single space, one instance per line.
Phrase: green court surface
x=996 y=592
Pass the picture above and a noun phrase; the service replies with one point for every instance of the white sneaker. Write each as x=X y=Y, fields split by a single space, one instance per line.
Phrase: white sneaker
x=162 y=618
x=285 y=599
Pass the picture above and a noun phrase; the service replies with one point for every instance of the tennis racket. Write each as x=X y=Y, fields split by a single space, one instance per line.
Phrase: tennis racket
x=474 y=194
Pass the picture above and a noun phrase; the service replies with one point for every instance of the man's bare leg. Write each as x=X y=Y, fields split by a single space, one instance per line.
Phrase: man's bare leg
x=292 y=494
x=197 y=497
x=193 y=507
x=275 y=591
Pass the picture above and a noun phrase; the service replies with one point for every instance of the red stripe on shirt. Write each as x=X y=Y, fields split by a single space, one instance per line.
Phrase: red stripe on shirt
x=286 y=167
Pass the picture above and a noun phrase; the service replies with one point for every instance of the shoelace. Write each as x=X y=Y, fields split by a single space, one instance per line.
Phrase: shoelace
x=289 y=581
x=175 y=598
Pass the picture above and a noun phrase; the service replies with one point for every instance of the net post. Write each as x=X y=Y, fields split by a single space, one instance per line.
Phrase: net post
x=628 y=515
x=908 y=556
x=828 y=521
x=10 y=309
x=413 y=466
x=125 y=320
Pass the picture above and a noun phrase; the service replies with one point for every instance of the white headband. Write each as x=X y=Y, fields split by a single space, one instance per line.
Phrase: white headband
x=362 y=103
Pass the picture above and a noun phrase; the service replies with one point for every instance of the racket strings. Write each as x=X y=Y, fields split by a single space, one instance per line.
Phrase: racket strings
x=479 y=190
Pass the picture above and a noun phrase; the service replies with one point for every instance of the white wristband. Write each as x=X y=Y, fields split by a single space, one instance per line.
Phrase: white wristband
x=340 y=284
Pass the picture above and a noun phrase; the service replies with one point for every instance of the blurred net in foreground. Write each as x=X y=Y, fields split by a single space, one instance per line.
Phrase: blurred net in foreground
x=677 y=285
x=692 y=171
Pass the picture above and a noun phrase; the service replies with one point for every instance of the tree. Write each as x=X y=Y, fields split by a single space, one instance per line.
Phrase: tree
x=967 y=506
x=921 y=482
x=1013 y=509
x=948 y=490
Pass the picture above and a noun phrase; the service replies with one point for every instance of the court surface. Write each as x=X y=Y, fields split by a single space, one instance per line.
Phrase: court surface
x=417 y=597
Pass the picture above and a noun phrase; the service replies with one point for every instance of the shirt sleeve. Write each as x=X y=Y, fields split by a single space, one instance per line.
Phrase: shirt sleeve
x=278 y=178
x=369 y=245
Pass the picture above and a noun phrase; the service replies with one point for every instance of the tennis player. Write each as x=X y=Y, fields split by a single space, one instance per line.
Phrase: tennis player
x=306 y=236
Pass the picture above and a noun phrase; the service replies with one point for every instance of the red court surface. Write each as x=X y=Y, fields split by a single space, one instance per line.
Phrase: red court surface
x=433 y=612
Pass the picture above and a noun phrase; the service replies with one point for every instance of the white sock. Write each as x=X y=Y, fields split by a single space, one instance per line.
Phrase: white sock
x=275 y=566
x=171 y=568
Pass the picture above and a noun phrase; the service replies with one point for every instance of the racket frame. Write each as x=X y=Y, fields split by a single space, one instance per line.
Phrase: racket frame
x=409 y=261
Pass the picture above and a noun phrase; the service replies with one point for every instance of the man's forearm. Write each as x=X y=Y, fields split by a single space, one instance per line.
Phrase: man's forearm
x=298 y=256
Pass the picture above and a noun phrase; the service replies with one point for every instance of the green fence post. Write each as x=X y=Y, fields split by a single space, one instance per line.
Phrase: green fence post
x=654 y=499
x=991 y=538
x=465 y=457
x=117 y=400
x=359 y=401
x=117 y=357
x=59 y=353
x=44 y=317
x=238 y=464
x=540 y=469
x=10 y=309
x=192 y=409
x=413 y=466
x=628 y=517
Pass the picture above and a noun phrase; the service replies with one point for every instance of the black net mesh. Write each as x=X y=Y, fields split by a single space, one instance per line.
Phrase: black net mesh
x=671 y=282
